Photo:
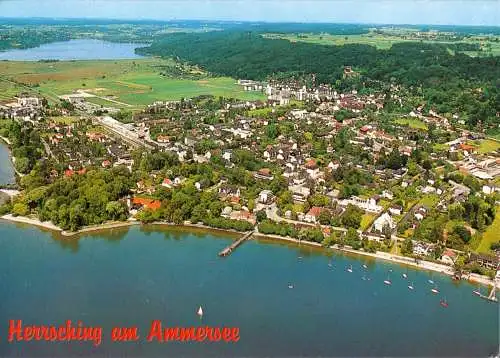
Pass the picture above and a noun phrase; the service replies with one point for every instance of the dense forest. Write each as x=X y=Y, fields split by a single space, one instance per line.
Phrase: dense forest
x=450 y=83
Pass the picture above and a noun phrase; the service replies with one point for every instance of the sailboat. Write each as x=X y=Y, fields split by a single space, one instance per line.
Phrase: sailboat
x=388 y=281
x=200 y=312
x=435 y=290
x=411 y=286
x=349 y=269
x=444 y=303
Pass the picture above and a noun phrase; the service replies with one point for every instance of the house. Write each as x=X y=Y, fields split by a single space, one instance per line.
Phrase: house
x=145 y=203
x=105 y=163
x=489 y=261
x=244 y=216
x=448 y=257
x=167 y=183
x=312 y=215
x=264 y=173
x=396 y=209
x=229 y=190
x=421 y=248
x=266 y=197
x=383 y=221
x=420 y=213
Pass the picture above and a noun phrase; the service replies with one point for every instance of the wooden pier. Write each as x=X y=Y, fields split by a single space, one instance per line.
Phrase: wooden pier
x=492 y=295
x=228 y=250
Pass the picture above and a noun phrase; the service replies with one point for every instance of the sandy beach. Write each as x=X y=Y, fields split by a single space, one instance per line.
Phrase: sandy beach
x=22 y=219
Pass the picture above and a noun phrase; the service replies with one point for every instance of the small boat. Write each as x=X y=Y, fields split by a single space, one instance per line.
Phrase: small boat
x=444 y=303
x=431 y=282
x=290 y=286
x=405 y=275
x=349 y=269
x=364 y=266
x=435 y=290
x=388 y=281
x=200 y=312
x=411 y=286
x=363 y=278
x=477 y=292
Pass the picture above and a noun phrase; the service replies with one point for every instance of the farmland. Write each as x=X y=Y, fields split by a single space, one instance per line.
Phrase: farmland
x=129 y=83
x=384 y=39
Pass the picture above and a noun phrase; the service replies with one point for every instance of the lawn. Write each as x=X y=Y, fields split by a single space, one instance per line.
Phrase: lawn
x=412 y=123
x=487 y=145
x=429 y=200
x=134 y=82
x=366 y=220
x=64 y=119
x=491 y=234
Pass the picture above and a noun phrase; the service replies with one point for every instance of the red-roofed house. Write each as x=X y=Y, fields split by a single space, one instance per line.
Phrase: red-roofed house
x=449 y=257
x=146 y=203
x=313 y=214
x=167 y=183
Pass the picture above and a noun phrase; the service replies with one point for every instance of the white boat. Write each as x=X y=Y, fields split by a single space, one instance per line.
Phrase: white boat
x=349 y=269
x=477 y=292
x=388 y=282
x=405 y=275
x=290 y=286
x=430 y=281
x=411 y=286
x=200 y=311
x=435 y=290
x=364 y=266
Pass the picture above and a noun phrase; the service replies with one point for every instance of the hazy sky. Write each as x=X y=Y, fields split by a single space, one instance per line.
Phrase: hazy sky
x=461 y=12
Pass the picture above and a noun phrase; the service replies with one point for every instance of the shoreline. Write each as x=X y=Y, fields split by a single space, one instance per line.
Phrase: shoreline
x=395 y=259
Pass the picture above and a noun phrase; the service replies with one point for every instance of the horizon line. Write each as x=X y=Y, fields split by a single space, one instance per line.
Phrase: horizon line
x=239 y=21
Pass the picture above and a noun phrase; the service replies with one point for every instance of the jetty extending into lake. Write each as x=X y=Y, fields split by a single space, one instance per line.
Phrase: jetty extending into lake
x=228 y=250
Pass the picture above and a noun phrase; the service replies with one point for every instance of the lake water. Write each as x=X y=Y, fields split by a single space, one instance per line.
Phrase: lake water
x=7 y=174
x=83 y=49
x=132 y=276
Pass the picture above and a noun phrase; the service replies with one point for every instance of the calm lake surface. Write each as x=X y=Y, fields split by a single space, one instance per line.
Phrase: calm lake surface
x=7 y=174
x=132 y=276
x=84 y=49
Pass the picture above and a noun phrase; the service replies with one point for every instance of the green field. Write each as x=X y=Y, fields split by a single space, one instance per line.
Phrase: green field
x=412 y=123
x=487 y=145
x=384 y=41
x=133 y=82
x=491 y=234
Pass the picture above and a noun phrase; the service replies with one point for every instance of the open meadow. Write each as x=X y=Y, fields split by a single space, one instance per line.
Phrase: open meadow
x=383 y=41
x=118 y=83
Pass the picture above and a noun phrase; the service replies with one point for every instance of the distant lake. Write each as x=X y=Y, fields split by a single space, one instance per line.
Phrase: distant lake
x=84 y=49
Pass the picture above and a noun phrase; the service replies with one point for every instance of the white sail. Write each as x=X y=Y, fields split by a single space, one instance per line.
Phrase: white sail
x=200 y=311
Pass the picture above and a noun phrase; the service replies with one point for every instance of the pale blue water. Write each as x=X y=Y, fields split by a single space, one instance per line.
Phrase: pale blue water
x=83 y=49
x=132 y=276
x=7 y=174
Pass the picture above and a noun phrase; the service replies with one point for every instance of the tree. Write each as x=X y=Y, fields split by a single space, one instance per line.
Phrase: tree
x=22 y=165
x=261 y=215
x=116 y=210
x=20 y=209
x=407 y=247
x=324 y=217
x=352 y=217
